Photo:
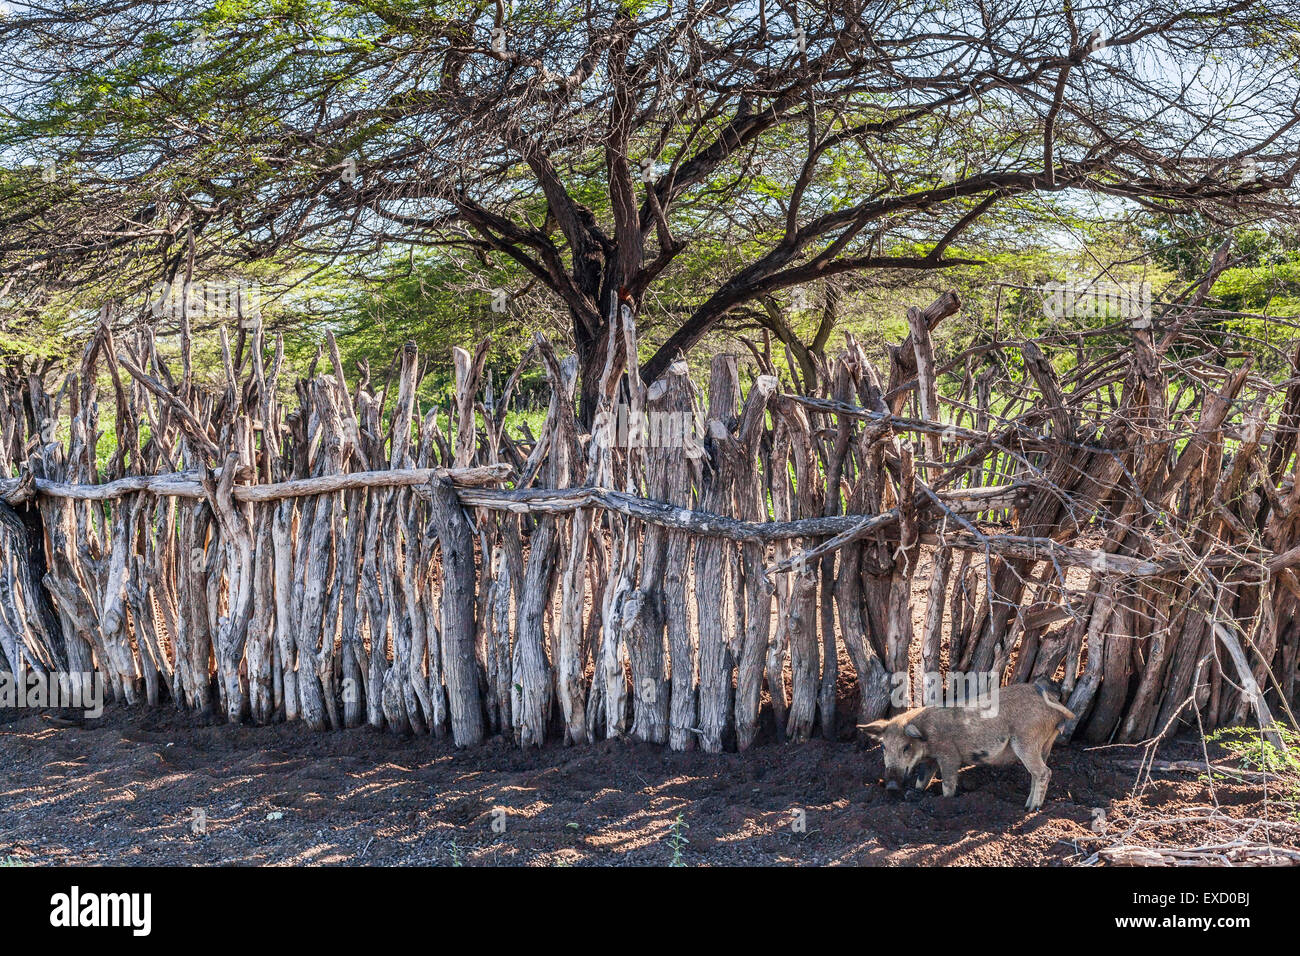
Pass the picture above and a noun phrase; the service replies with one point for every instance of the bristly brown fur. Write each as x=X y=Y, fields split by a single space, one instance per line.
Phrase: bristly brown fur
x=1024 y=726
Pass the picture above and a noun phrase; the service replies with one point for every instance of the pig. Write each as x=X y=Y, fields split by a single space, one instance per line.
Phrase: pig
x=1024 y=726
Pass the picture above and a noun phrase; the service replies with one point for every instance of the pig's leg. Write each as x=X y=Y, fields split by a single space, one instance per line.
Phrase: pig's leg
x=1051 y=741
x=1038 y=772
x=949 y=767
x=925 y=774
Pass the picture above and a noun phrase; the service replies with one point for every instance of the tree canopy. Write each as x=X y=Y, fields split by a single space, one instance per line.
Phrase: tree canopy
x=594 y=149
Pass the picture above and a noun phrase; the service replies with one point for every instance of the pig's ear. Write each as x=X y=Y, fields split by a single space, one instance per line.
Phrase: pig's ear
x=914 y=731
x=875 y=729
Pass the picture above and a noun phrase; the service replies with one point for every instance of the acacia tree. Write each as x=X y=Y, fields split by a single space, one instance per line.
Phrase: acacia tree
x=596 y=144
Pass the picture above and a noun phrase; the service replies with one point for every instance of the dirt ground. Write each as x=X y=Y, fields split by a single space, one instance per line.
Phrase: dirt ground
x=129 y=788
x=166 y=788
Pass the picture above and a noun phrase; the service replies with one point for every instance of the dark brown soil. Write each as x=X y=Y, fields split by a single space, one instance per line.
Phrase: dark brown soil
x=125 y=790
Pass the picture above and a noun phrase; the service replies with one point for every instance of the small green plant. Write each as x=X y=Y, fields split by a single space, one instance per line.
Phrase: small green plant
x=10 y=861
x=1254 y=749
x=456 y=857
x=677 y=840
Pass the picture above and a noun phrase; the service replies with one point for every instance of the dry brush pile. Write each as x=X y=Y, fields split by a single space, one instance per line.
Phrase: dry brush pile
x=1130 y=527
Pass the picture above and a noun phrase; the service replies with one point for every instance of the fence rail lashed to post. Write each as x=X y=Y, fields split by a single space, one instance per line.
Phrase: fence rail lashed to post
x=358 y=559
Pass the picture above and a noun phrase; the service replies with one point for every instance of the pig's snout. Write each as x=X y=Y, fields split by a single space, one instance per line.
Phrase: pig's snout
x=893 y=781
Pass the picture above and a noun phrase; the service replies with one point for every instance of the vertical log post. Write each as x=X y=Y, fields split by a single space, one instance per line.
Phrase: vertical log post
x=715 y=560
x=750 y=505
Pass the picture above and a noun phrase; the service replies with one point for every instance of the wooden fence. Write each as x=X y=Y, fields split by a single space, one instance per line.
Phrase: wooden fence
x=1128 y=527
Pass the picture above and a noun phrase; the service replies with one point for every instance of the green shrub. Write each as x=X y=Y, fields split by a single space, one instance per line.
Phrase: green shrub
x=1253 y=749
